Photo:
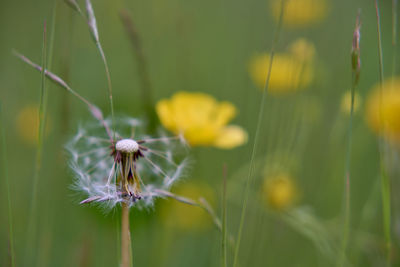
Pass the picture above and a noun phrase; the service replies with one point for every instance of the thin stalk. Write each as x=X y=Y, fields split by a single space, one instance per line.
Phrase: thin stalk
x=394 y=36
x=385 y=182
x=5 y=173
x=110 y=96
x=42 y=125
x=39 y=151
x=355 y=63
x=256 y=138
x=126 y=245
x=224 y=208
x=95 y=34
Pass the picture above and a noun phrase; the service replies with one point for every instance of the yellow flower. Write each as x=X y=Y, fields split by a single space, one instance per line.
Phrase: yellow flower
x=300 y=13
x=291 y=70
x=383 y=110
x=346 y=102
x=184 y=216
x=201 y=119
x=279 y=191
x=27 y=124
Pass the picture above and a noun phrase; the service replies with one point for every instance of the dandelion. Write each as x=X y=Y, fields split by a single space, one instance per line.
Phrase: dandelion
x=346 y=102
x=291 y=71
x=383 y=109
x=201 y=120
x=179 y=215
x=27 y=124
x=300 y=13
x=279 y=191
x=126 y=169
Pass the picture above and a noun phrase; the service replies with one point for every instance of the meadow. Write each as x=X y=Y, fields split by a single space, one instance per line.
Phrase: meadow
x=199 y=133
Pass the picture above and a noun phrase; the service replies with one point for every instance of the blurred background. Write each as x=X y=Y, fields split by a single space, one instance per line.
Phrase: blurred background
x=220 y=48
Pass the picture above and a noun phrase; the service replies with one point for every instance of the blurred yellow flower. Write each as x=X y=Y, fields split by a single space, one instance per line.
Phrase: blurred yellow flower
x=279 y=191
x=27 y=124
x=346 y=102
x=184 y=216
x=383 y=110
x=300 y=13
x=201 y=119
x=291 y=70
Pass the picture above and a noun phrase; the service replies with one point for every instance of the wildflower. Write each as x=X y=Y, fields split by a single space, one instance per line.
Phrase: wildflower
x=279 y=191
x=27 y=124
x=300 y=13
x=346 y=102
x=201 y=119
x=183 y=216
x=383 y=109
x=129 y=168
x=291 y=70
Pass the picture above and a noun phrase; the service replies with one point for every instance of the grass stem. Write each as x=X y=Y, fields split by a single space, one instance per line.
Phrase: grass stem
x=355 y=63
x=38 y=164
x=256 y=138
x=224 y=208
x=42 y=125
x=6 y=178
x=385 y=181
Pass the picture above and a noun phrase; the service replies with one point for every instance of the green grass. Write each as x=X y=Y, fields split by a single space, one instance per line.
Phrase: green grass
x=200 y=47
x=4 y=161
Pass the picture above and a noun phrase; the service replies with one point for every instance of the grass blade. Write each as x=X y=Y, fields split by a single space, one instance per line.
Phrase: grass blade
x=38 y=164
x=6 y=178
x=256 y=138
x=385 y=181
x=224 y=208
x=42 y=124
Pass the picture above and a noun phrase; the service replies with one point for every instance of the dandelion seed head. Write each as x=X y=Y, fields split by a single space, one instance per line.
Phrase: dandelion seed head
x=129 y=169
x=127 y=146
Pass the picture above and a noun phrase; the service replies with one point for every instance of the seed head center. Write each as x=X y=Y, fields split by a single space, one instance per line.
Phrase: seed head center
x=127 y=146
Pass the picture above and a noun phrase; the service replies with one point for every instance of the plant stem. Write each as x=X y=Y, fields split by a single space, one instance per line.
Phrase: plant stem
x=126 y=245
x=394 y=35
x=224 y=208
x=31 y=234
x=5 y=173
x=355 y=63
x=385 y=181
x=258 y=129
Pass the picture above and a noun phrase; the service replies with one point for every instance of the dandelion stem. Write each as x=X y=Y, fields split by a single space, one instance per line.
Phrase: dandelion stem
x=256 y=138
x=5 y=175
x=126 y=245
x=385 y=182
